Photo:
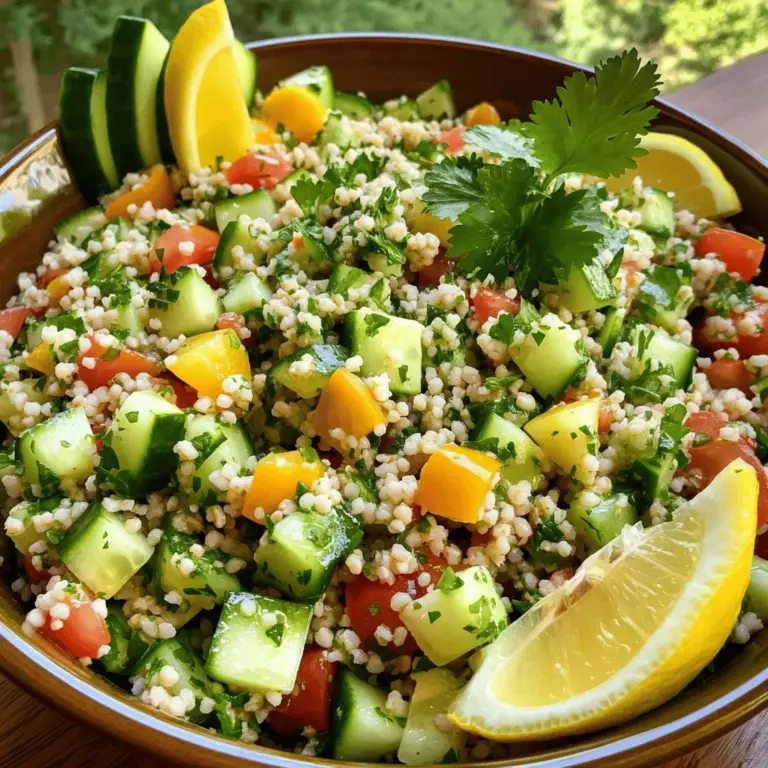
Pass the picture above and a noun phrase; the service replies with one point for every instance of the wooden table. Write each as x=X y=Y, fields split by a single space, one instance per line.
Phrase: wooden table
x=34 y=736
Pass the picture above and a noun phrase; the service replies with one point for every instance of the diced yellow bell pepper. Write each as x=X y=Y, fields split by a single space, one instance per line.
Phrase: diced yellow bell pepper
x=348 y=404
x=262 y=133
x=40 y=359
x=57 y=289
x=204 y=361
x=482 y=114
x=297 y=109
x=275 y=478
x=421 y=221
x=454 y=482
x=567 y=432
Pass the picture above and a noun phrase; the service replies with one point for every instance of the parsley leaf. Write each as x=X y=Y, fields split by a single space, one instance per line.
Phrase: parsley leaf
x=374 y=322
x=452 y=187
x=505 y=141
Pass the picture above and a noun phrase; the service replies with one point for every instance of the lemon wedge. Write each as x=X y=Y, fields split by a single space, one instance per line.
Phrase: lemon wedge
x=207 y=117
x=641 y=618
x=677 y=165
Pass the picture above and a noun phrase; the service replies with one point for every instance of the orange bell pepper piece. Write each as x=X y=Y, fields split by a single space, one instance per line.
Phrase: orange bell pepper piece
x=482 y=114
x=263 y=133
x=297 y=109
x=158 y=189
x=57 y=289
x=275 y=478
x=454 y=481
x=40 y=359
x=348 y=404
x=204 y=361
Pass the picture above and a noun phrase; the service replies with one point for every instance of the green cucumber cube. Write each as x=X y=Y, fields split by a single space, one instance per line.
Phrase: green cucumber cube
x=756 y=598
x=255 y=205
x=308 y=381
x=664 y=297
x=118 y=660
x=246 y=294
x=10 y=415
x=437 y=102
x=596 y=526
x=236 y=233
x=188 y=307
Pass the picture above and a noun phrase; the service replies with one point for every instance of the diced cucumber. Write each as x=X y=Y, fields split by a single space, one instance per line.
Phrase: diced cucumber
x=83 y=125
x=675 y=356
x=379 y=262
x=387 y=344
x=549 y=357
x=246 y=294
x=437 y=102
x=292 y=178
x=258 y=643
x=129 y=319
x=301 y=552
x=527 y=459
x=236 y=233
x=11 y=416
x=207 y=584
x=102 y=552
x=611 y=330
x=596 y=526
x=317 y=80
x=588 y=287
x=662 y=297
x=190 y=307
x=33 y=329
x=362 y=730
x=641 y=241
x=354 y=105
x=463 y=612
x=177 y=653
x=345 y=279
x=657 y=210
x=118 y=660
x=567 y=433
x=245 y=61
x=78 y=228
x=56 y=454
x=338 y=130
x=321 y=361
x=217 y=443
x=256 y=205
x=137 y=452
x=423 y=742
x=756 y=598
x=25 y=512
x=403 y=109
x=136 y=57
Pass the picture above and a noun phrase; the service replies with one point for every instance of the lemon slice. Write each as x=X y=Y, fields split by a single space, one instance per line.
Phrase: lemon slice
x=642 y=617
x=677 y=165
x=207 y=117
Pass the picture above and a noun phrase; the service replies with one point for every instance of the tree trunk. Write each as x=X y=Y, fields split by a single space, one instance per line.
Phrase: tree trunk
x=27 y=79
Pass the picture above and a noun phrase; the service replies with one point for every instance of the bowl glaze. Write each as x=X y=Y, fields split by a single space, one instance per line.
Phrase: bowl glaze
x=36 y=192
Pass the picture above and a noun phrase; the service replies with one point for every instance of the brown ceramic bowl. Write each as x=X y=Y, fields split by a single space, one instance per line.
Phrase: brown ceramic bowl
x=35 y=193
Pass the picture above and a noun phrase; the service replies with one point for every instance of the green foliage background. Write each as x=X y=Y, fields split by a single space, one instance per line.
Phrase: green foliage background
x=688 y=38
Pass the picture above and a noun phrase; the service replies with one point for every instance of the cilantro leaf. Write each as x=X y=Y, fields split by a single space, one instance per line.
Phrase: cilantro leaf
x=594 y=124
x=452 y=187
x=504 y=141
x=379 y=243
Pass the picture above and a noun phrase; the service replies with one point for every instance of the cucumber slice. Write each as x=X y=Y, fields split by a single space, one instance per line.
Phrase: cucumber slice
x=658 y=297
x=256 y=205
x=598 y=525
x=216 y=443
x=403 y=109
x=611 y=330
x=657 y=211
x=78 y=228
x=163 y=135
x=56 y=454
x=302 y=551
x=322 y=360
x=137 y=454
x=317 y=80
x=194 y=307
x=756 y=598
x=246 y=294
x=83 y=125
x=462 y=613
x=235 y=233
x=588 y=287
x=118 y=660
x=136 y=58
x=102 y=552
x=423 y=742
x=179 y=654
x=258 y=643
x=207 y=584
x=362 y=730
x=677 y=357
x=436 y=102
x=387 y=344
x=245 y=61
x=353 y=105
x=338 y=131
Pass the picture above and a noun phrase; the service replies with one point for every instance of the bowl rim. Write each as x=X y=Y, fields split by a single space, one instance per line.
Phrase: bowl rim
x=38 y=672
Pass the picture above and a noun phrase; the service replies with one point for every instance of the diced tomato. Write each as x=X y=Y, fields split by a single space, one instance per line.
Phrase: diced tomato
x=761 y=546
x=629 y=267
x=82 y=633
x=113 y=360
x=431 y=275
x=481 y=539
x=310 y=702
x=454 y=138
x=35 y=576
x=709 y=459
x=604 y=421
x=210 y=278
x=12 y=320
x=746 y=345
x=260 y=170
x=167 y=253
x=50 y=275
x=230 y=320
x=368 y=603
x=730 y=374
x=333 y=457
x=488 y=303
x=740 y=253
x=99 y=445
x=186 y=397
